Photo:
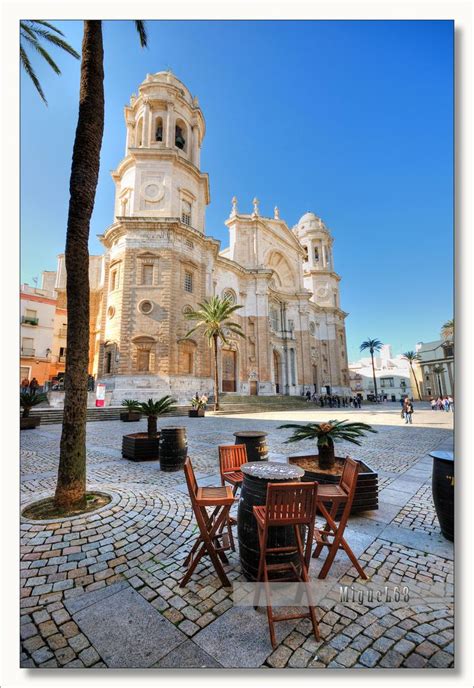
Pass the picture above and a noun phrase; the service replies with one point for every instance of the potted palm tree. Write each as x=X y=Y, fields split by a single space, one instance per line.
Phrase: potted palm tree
x=27 y=401
x=133 y=411
x=372 y=345
x=198 y=409
x=325 y=467
x=144 y=446
x=213 y=318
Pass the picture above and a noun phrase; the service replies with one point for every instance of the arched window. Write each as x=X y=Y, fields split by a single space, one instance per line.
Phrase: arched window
x=180 y=135
x=159 y=129
x=186 y=213
x=186 y=354
x=139 y=139
x=229 y=295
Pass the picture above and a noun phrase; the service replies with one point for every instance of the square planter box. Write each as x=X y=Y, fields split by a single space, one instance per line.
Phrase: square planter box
x=29 y=422
x=197 y=413
x=366 y=497
x=130 y=417
x=139 y=447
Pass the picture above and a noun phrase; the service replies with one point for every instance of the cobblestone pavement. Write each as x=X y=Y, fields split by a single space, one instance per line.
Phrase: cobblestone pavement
x=81 y=576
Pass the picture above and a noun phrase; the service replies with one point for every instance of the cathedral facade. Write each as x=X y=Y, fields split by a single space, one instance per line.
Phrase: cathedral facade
x=158 y=263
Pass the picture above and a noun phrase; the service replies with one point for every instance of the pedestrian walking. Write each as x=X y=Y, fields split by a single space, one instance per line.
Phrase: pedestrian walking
x=433 y=404
x=451 y=403
x=25 y=383
x=34 y=385
x=446 y=404
x=408 y=411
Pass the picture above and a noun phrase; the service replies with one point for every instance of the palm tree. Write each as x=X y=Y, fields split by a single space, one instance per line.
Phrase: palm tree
x=326 y=434
x=213 y=318
x=30 y=399
x=411 y=357
x=152 y=409
x=372 y=345
x=447 y=331
x=438 y=370
x=33 y=33
x=71 y=484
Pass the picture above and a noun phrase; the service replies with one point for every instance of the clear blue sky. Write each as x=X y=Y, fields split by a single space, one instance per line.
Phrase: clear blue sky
x=350 y=119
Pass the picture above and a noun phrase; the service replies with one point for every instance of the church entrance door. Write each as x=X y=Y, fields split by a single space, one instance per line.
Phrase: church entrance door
x=228 y=370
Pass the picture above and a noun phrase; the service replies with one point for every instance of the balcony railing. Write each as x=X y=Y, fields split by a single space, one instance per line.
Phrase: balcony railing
x=25 y=320
x=26 y=351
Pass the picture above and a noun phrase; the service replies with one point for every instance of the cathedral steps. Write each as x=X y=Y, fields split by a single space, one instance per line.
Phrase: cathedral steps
x=51 y=416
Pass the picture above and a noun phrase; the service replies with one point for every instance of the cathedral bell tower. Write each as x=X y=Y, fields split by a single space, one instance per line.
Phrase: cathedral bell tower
x=158 y=261
x=160 y=176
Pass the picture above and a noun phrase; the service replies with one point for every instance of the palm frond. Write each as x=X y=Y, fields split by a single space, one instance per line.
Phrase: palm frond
x=142 y=32
x=31 y=73
x=372 y=345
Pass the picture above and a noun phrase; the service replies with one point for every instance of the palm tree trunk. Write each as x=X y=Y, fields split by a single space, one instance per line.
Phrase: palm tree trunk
x=71 y=485
x=373 y=374
x=152 y=426
x=326 y=454
x=416 y=382
x=216 y=378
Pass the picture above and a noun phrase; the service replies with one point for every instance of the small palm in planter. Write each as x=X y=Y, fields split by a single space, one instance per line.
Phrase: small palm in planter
x=27 y=401
x=142 y=446
x=326 y=468
x=133 y=411
x=326 y=434
x=198 y=407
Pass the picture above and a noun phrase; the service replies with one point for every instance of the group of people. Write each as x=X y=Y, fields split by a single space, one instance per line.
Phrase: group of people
x=30 y=385
x=333 y=400
x=445 y=403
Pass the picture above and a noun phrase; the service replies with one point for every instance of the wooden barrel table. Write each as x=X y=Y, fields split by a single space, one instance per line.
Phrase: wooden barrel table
x=255 y=444
x=173 y=449
x=257 y=475
x=442 y=487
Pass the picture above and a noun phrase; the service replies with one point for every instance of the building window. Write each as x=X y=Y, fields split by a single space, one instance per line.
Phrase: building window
x=180 y=135
x=387 y=382
x=145 y=307
x=159 y=129
x=188 y=281
x=147 y=274
x=62 y=354
x=316 y=254
x=27 y=346
x=110 y=312
x=305 y=249
x=113 y=280
x=229 y=295
x=291 y=326
x=30 y=317
x=186 y=213
x=448 y=350
x=189 y=243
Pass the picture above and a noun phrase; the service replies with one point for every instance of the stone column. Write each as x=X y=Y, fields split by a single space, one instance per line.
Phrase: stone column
x=169 y=136
x=146 y=123
x=195 y=146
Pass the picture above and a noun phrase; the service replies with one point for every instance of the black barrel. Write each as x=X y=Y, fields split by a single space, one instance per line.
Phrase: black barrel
x=255 y=444
x=443 y=491
x=254 y=493
x=173 y=449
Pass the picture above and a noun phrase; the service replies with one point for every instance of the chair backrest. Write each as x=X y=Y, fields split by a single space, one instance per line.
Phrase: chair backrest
x=349 y=475
x=190 y=479
x=231 y=457
x=291 y=503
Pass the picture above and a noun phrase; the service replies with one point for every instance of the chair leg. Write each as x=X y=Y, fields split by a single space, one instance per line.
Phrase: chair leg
x=271 y=623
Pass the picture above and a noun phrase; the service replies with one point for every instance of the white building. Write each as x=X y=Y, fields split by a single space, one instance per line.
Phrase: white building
x=392 y=374
x=435 y=369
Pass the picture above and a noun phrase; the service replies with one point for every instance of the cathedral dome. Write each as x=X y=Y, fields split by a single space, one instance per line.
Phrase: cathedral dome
x=310 y=221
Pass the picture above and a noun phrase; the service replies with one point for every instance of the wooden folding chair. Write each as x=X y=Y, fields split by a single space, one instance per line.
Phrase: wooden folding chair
x=332 y=535
x=210 y=525
x=231 y=458
x=287 y=504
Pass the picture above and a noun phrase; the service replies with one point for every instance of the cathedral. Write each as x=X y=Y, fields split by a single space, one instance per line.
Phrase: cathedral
x=158 y=264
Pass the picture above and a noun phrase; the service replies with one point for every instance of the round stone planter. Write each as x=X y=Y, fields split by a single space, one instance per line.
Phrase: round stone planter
x=29 y=422
x=367 y=492
x=139 y=447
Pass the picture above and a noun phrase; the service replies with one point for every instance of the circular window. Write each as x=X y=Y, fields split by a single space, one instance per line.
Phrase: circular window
x=110 y=312
x=145 y=307
x=229 y=295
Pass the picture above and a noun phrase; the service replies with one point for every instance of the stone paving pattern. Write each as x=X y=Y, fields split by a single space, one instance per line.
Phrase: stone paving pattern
x=79 y=574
